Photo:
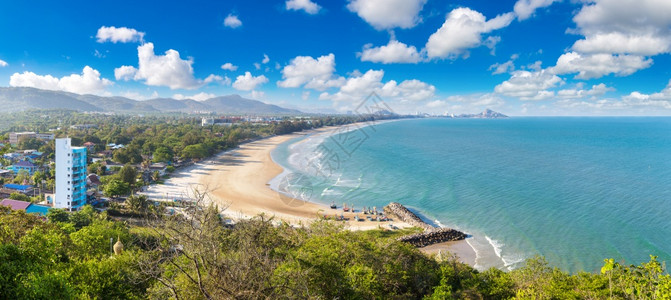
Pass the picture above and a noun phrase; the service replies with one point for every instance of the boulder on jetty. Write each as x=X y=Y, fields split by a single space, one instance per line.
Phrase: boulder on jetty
x=431 y=235
x=400 y=212
x=438 y=235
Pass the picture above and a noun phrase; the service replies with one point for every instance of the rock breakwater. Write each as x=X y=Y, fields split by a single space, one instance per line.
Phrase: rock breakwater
x=431 y=235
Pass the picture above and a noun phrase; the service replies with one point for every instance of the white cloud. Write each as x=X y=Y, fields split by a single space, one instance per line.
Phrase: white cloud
x=3 y=63
x=526 y=8
x=213 y=78
x=137 y=96
x=506 y=67
x=387 y=14
x=436 y=104
x=306 y=5
x=120 y=34
x=590 y=66
x=202 y=96
x=125 y=73
x=313 y=73
x=638 y=27
x=359 y=86
x=232 y=21
x=89 y=82
x=266 y=59
x=476 y=101
x=248 y=82
x=408 y=90
x=229 y=67
x=254 y=94
x=527 y=85
x=305 y=95
x=462 y=30
x=596 y=91
x=394 y=52
x=664 y=95
x=162 y=70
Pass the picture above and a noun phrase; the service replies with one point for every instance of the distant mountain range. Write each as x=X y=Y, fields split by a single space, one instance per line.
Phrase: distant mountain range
x=13 y=99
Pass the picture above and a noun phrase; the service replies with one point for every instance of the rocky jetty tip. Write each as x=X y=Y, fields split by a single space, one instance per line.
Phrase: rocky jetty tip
x=431 y=235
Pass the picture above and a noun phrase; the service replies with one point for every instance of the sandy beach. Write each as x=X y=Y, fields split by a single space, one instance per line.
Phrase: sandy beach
x=238 y=180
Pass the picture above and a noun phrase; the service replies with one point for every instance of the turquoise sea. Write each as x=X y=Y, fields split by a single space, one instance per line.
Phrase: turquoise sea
x=575 y=190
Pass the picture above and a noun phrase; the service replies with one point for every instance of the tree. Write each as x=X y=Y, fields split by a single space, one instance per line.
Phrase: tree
x=19 y=196
x=128 y=174
x=137 y=203
x=194 y=151
x=116 y=188
x=38 y=177
x=57 y=215
x=155 y=176
x=29 y=143
x=22 y=176
x=162 y=154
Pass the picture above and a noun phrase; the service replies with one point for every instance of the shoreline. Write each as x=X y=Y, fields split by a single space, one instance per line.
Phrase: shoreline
x=239 y=181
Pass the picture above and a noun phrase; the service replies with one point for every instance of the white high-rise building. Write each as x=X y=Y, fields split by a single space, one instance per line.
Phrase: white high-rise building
x=70 y=175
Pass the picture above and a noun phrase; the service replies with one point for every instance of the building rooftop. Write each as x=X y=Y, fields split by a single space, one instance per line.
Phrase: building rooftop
x=24 y=163
x=37 y=209
x=15 y=204
x=18 y=187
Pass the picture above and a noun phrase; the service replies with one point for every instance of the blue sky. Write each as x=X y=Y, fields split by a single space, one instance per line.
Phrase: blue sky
x=525 y=57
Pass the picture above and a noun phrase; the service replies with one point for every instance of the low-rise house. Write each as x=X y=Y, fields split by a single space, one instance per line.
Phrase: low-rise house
x=19 y=188
x=24 y=165
x=93 y=180
x=6 y=173
x=27 y=206
x=160 y=167
x=90 y=146
x=12 y=156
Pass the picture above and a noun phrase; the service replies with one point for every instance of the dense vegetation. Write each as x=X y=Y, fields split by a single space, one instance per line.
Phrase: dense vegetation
x=194 y=255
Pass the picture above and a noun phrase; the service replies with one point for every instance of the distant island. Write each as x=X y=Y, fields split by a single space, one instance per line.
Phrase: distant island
x=486 y=114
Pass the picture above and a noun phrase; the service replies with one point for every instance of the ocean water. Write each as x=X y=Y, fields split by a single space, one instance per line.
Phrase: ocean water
x=575 y=190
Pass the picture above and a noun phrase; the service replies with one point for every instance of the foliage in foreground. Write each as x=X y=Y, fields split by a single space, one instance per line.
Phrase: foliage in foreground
x=193 y=256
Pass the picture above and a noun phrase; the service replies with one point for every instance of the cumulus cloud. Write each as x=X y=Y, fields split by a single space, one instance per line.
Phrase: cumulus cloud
x=125 y=73
x=162 y=70
x=202 y=96
x=597 y=90
x=618 y=26
x=88 y=82
x=3 y=63
x=266 y=59
x=120 y=34
x=359 y=86
x=590 y=66
x=137 y=96
x=312 y=73
x=394 y=52
x=662 y=96
x=232 y=21
x=254 y=94
x=305 y=5
x=524 y=9
x=387 y=14
x=436 y=104
x=229 y=67
x=506 y=67
x=248 y=82
x=476 y=101
x=527 y=85
x=462 y=30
